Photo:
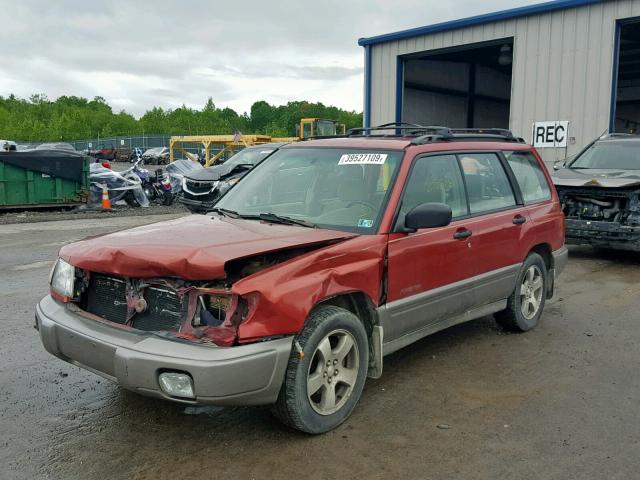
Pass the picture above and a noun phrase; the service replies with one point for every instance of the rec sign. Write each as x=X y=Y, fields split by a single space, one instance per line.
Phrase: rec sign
x=550 y=134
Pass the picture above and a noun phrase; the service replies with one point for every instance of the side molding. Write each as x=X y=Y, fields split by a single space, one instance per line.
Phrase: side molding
x=432 y=328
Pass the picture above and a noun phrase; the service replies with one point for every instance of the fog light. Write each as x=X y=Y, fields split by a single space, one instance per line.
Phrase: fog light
x=176 y=384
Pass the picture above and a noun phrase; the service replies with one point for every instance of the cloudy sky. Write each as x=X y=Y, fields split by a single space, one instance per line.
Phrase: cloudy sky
x=139 y=54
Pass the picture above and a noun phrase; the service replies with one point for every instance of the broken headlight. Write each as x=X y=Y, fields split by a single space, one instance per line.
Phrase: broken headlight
x=213 y=310
x=62 y=280
x=218 y=316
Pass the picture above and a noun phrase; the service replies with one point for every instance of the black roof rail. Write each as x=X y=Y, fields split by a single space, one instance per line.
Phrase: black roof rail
x=497 y=134
x=426 y=134
x=501 y=132
x=399 y=129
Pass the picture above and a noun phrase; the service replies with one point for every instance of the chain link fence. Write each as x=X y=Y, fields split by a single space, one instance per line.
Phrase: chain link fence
x=128 y=142
x=140 y=141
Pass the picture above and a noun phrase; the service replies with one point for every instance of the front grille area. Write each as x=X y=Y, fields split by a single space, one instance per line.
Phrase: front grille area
x=199 y=187
x=164 y=311
x=106 y=297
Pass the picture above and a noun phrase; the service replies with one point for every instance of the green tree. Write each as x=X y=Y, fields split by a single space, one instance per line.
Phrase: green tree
x=73 y=118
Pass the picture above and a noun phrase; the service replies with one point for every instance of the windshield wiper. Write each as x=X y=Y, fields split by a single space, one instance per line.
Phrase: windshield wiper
x=273 y=218
x=224 y=212
x=243 y=165
x=238 y=167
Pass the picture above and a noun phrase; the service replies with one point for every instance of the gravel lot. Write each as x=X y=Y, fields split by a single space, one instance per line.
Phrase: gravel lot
x=471 y=402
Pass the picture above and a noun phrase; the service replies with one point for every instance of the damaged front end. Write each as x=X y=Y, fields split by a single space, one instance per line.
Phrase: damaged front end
x=202 y=312
x=605 y=217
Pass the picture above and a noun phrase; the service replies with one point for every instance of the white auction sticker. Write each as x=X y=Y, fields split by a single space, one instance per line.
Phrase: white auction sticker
x=363 y=159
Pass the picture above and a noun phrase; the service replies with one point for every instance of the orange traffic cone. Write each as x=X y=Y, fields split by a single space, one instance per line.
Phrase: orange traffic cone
x=106 y=203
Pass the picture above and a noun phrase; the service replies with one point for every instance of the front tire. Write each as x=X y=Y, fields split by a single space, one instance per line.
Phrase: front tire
x=130 y=198
x=526 y=303
x=167 y=198
x=322 y=387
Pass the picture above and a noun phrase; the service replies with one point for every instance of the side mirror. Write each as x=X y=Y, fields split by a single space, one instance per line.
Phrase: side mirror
x=428 y=215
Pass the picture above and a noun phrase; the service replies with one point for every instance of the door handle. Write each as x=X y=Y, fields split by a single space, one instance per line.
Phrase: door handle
x=519 y=220
x=462 y=233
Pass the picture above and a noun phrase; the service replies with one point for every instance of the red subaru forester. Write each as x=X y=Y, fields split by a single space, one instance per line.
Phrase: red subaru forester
x=329 y=255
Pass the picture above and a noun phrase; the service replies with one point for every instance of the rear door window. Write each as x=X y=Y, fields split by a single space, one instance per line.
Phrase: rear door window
x=530 y=177
x=488 y=186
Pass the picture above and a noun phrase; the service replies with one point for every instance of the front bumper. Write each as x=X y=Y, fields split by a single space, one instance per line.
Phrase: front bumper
x=603 y=234
x=201 y=205
x=243 y=375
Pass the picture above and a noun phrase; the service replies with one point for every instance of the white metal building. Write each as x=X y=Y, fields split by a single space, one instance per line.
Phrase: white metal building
x=567 y=60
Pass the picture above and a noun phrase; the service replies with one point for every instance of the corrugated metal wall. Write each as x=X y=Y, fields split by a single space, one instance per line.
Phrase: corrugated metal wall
x=562 y=68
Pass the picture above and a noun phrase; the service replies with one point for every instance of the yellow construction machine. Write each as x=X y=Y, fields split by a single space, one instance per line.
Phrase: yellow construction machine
x=319 y=127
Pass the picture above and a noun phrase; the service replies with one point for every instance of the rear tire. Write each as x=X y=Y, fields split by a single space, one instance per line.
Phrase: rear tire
x=321 y=389
x=526 y=303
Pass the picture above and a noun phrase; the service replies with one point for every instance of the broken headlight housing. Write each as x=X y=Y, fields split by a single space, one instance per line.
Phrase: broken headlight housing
x=62 y=280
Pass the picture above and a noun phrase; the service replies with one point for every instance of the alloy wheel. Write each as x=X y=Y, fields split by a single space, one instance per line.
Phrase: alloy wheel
x=531 y=292
x=333 y=372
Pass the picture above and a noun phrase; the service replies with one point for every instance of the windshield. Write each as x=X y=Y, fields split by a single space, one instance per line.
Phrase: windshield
x=610 y=155
x=333 y=188
x=250 y=156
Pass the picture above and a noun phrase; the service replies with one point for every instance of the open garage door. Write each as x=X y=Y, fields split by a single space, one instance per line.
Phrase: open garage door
x=461 y=87
x=627 y=95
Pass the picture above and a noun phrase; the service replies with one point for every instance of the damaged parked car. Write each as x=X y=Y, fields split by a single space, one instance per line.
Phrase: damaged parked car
x=201 y=188
x=156 y=156
x=326 y=257
x=600 y=193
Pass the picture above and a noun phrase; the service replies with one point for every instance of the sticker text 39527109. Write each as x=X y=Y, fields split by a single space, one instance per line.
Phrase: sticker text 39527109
x=363 y=159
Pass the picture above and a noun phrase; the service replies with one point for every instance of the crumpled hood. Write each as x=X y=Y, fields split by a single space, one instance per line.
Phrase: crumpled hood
x=195 y=247
x=567 y=177
x=214 y=173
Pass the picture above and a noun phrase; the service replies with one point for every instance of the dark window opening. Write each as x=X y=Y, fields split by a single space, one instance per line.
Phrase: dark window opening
x=463 y=87
x=627 y=108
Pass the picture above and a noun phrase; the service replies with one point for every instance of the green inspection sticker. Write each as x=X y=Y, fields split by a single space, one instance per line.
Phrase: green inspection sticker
x=366 y=223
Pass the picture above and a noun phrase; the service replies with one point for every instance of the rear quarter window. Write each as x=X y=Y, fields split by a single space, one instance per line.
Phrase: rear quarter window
x=530 y=177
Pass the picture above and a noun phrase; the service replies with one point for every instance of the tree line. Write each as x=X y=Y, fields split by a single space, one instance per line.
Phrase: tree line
x=39 y=119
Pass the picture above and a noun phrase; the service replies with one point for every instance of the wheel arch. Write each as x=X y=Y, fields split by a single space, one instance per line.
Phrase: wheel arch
x=544 y=250
x=361 y=305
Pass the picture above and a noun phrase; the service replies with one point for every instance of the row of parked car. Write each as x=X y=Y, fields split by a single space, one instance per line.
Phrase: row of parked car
x=328 y=255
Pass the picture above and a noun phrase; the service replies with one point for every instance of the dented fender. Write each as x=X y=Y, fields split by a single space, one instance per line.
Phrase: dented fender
x=289 y=291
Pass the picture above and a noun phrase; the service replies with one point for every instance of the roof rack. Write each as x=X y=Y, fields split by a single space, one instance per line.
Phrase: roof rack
x=425 y=134
x=495 y=134
x=399 y=129
x=421 y=134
